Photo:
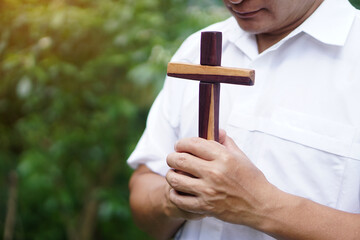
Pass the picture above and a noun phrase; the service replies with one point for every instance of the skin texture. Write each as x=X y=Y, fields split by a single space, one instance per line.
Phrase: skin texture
x=271 y=20
x=223 y=183
x=151 y=207
x=217 y=179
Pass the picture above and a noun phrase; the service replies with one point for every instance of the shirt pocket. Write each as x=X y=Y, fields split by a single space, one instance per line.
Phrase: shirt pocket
x=299 y=153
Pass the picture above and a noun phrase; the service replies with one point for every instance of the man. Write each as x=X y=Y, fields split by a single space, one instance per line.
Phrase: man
x=288 y=165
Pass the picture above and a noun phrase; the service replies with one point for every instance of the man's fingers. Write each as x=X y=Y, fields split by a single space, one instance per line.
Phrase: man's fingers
x=227 y=141
x=222 y=136
x=183 y=183
x=185 y=202
x=202 y=148
x=187 y=163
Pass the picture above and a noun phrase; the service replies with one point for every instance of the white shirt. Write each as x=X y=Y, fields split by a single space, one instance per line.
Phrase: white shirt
x=299 y=124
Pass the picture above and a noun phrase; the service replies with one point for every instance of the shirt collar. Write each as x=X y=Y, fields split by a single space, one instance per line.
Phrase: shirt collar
x=329 y=24
x=245 y=41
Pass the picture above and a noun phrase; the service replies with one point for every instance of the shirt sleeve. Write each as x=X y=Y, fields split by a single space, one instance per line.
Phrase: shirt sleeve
x=162 y=126
x=157 y=140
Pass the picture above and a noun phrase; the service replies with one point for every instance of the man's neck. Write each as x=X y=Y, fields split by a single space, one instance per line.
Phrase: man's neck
x=266 y=40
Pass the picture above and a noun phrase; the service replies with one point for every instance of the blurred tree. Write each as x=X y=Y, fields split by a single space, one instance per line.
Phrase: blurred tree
x=356 y=3
x=77 y=80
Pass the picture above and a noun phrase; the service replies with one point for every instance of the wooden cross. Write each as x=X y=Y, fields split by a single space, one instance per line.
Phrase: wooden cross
x=210 y=74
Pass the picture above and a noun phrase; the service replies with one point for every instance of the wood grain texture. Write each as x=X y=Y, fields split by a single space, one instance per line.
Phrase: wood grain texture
x=209 y=96
x=212 y=74
x=210 y=55
x=211 y=48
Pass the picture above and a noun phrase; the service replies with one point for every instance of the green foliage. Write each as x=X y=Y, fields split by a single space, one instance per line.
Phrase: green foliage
x=356 y=3
x=77 y=80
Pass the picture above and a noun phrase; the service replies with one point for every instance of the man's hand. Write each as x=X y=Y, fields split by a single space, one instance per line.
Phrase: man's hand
x=173 y=211
x=220 y=181
x=151 y=207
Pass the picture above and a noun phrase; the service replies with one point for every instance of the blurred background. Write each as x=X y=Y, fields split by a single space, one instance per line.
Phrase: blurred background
x=77 y=78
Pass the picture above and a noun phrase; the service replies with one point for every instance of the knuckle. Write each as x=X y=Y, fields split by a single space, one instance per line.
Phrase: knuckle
x=210 y=192
x=181 y=159
x=207 y=208
x=172 y=180
x=215 y=173
x=227 y=158
x=176 y=160
x=217 y=176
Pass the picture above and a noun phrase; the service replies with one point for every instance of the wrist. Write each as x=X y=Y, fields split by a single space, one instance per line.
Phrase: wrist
x=279 y=211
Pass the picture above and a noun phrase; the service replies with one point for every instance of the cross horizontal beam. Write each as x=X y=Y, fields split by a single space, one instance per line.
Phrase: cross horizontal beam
x=211 y=74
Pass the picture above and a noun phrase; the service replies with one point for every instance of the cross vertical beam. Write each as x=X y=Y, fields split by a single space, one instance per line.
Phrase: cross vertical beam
x=209 y=93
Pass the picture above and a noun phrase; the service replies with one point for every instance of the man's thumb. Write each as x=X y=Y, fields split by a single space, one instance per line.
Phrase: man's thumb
x=225 y=140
